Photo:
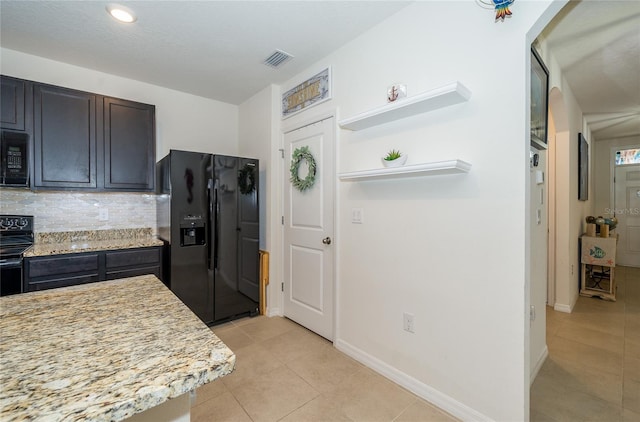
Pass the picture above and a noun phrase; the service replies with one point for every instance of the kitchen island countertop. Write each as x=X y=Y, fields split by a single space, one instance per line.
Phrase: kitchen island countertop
x=102 y=351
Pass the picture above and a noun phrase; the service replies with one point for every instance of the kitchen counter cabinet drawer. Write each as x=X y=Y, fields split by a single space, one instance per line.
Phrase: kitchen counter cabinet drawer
x=133 y=272
x=53 y=266
x=134 y=262
x=133 y=257
x=52 y=283
x=48 y=272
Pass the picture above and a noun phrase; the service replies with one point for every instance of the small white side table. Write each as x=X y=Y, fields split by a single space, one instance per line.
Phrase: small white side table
x=598 y=259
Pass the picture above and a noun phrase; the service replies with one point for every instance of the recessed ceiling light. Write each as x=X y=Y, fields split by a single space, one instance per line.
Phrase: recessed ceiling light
x=121 y=13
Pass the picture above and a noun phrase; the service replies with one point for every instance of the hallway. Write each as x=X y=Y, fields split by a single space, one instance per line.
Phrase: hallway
x=592 y=372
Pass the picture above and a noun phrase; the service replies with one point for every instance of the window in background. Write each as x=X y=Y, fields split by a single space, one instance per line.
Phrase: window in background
x=628 y=156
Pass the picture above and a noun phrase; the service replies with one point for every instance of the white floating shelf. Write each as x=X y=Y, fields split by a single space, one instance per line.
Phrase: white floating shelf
x=453 y=93
x=425 y=169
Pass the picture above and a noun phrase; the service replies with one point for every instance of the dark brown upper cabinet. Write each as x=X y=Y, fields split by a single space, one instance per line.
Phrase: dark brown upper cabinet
x=65 y=138
x=12 y=107
x=88 y=141
x=129 y=145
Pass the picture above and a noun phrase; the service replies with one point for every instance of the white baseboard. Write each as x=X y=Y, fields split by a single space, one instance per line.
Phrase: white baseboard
x=428 y=393
x=541 y=359
x=560 y=307
x=273 y=312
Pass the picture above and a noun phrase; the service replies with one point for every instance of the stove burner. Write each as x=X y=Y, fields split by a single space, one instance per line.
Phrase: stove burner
x=16 y=223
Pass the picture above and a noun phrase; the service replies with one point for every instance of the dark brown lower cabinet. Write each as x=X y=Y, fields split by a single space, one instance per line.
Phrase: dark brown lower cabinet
x=48 y=272
x=133 y=262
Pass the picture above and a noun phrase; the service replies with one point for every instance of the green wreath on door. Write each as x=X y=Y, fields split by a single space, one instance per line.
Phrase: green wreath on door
x=299 y=155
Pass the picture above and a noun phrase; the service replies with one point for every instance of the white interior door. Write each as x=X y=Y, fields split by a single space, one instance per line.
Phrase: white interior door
x=627 y=211
x=308 y=231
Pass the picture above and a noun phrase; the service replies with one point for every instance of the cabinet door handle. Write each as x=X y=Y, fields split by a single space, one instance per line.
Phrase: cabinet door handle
x=326 y=240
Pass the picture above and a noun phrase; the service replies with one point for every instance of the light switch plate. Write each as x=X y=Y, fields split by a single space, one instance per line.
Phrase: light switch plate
x=357 y=215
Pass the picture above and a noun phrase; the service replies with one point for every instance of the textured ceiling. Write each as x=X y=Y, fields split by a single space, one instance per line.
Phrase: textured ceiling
x=214 y=49
x=597 y=44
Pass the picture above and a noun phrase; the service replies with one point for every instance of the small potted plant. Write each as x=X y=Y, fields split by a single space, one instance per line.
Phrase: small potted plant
x=394 y=158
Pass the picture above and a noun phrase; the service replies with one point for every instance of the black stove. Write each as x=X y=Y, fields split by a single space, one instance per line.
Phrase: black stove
x=16 y=237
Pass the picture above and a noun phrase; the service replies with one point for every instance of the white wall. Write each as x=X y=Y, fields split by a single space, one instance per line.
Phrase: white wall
x=258 y=138
x=183 y=121
x=569 y=211
x=451 y=250
x=538 y=276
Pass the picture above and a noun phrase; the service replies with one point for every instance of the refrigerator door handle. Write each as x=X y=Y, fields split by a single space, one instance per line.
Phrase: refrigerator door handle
x=215 y=227
x=210 y=213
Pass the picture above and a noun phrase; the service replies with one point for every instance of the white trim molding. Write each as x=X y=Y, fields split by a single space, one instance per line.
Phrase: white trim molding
x=561 y=307
x=541 y=360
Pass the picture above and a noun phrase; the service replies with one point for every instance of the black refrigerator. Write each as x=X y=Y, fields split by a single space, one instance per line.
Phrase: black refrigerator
x=207 y=216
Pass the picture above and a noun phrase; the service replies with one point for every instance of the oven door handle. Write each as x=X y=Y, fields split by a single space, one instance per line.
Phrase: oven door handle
x=11 y=262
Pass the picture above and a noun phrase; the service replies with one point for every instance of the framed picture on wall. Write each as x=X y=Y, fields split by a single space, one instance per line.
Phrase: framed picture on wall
x=539 y=101
x=583 y=168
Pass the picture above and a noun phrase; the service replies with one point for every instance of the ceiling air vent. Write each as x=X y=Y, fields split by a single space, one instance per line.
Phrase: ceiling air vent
x=277 y=58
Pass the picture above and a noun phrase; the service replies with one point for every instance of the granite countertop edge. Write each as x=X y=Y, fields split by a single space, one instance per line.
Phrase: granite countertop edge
x=60 y=243
x=47 y=249
x=106 y=351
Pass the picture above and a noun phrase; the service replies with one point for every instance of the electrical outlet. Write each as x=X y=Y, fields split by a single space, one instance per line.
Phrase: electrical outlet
x=103 y=214
x=408 y=323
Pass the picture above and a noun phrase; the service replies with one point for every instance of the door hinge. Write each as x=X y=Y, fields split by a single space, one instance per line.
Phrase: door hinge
x=282 y=286
x=282 y=220
x=281 y=152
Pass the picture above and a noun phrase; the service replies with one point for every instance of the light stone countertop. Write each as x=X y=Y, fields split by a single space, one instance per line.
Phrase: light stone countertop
x=58 y=243
x=102 y=351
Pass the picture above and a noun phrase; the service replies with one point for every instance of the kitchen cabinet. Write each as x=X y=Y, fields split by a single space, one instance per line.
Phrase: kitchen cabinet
x=60 y=271
x=48 y=272
x=133 y=262
x=84 y=140
x=65 y=138
x=129 y=145
x=12 y=106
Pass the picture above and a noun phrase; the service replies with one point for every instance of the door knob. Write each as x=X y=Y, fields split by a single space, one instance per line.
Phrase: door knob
x=326 y=240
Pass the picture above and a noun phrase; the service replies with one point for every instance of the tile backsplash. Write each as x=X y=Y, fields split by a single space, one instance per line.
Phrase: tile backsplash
x=71 y=211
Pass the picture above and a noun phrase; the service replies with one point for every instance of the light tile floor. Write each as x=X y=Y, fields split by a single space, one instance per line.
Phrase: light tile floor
x=286 y=373
x=593 y=369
